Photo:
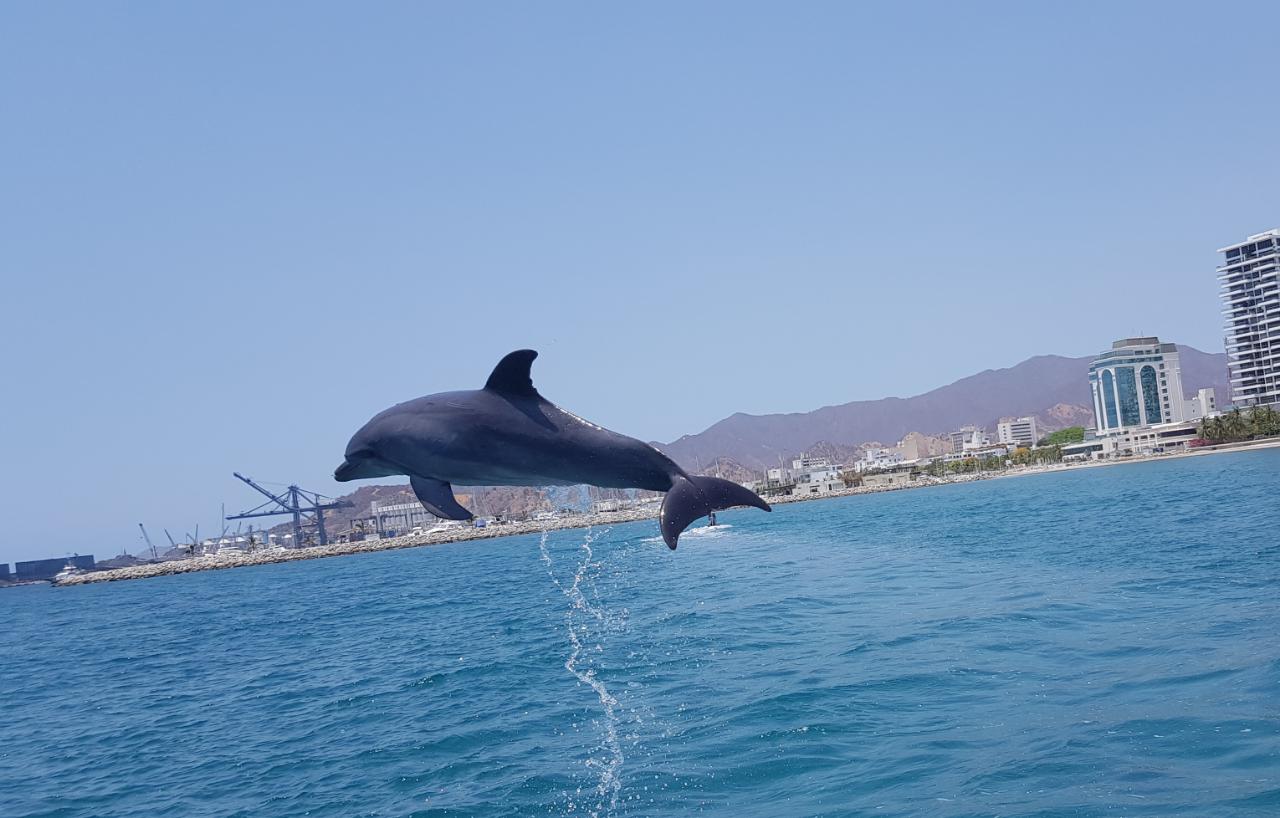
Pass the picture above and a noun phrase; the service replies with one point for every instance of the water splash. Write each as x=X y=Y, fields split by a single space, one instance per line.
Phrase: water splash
x=578 y=621
x=707 y=532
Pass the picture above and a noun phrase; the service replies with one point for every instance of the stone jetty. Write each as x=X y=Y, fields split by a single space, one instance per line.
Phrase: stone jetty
x=460 y=533
x=216 y=562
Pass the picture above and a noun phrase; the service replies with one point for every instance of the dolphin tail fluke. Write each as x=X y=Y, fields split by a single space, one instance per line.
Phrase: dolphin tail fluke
x=694 y=497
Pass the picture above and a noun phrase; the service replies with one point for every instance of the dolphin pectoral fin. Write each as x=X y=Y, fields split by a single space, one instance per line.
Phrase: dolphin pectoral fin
x=437 y=497
x=694 y=497
x=511 y=375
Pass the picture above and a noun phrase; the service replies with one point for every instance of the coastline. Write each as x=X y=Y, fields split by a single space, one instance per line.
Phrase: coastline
x=511 y=529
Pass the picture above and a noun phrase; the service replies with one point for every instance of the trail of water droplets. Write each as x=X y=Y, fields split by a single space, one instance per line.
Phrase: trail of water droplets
x=610 y=785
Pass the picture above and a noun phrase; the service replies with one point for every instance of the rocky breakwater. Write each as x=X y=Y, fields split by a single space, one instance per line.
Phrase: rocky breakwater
x=216 y=562
x=457 y=534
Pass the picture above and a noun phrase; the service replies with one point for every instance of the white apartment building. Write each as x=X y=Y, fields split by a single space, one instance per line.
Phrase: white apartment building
x=1250 y=293
x=1020 y=432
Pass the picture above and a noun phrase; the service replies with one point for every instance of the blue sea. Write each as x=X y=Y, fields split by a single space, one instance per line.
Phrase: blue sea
x=1096 y=642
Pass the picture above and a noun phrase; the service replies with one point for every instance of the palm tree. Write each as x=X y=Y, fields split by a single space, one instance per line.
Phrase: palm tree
x=1234 y=425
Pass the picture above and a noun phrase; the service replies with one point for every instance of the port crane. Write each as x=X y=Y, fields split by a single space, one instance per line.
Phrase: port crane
x=147 y=539
x=306 y=508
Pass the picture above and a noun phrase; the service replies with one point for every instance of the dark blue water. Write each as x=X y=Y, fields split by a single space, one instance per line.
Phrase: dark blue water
x=1101 y=642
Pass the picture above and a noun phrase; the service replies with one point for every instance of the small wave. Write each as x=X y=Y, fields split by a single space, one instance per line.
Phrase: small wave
x=701 y=532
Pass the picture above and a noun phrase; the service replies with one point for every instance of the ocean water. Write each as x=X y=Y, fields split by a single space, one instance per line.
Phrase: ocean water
x=1099 y=642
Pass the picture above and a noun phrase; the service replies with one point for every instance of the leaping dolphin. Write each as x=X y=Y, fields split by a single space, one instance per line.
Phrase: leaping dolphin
x=506 y=434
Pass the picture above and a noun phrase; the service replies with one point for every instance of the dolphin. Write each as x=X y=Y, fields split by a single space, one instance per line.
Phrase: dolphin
x=506 y=434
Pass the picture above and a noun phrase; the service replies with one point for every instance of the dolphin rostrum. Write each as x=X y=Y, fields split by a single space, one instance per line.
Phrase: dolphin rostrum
x=506 y=434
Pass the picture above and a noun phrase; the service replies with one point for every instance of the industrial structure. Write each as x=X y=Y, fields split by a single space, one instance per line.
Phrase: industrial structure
x=306 y=507
x=1249 y=280
x=390 y=518
x=48 y=569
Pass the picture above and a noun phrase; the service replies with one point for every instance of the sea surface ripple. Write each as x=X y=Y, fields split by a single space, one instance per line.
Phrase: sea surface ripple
x=1097 y=642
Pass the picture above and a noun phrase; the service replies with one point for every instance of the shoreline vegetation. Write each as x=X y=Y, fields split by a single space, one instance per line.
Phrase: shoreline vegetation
x=650 y=512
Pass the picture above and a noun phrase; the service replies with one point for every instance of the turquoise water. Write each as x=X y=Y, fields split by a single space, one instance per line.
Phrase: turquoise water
x=1100 y=642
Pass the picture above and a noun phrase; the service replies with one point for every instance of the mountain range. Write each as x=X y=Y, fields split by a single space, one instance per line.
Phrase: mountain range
x=1053 y=388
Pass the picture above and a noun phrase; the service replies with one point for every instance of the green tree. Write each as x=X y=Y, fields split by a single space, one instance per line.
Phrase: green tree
x=1235 y=426
x=1265 y=421
x=1071 y=434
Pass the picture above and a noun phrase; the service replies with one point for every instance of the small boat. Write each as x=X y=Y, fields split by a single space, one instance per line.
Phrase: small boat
x=69 y=570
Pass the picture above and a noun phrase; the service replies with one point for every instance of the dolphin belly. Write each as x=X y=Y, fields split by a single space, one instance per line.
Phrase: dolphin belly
x=519 y=467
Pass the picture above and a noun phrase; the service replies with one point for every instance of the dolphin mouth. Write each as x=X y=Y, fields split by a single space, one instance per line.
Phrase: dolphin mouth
x=347 y=471
x=363 y=468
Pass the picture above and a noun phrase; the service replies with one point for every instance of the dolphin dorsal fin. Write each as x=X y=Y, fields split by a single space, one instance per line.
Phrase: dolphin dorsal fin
x=511 y=375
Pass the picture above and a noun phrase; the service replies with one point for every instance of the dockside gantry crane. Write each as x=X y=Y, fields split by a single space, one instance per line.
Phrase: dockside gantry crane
x=296 y=502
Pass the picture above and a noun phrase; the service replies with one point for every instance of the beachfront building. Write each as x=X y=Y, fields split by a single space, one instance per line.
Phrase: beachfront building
x=1149 y=440
x=816 y=475
x=1138 y=382
x=807 y=475
x=981 y=453
x=1138 y=399
x=1249 y=280
x=914 y=449
x=874 y=459
x=818 y=484
x=1020 y=432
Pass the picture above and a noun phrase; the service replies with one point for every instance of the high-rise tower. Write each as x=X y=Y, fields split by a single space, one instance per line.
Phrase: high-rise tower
x=1250 y=290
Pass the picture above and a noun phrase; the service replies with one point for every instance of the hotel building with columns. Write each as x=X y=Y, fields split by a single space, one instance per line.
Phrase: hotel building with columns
x=1138 y=383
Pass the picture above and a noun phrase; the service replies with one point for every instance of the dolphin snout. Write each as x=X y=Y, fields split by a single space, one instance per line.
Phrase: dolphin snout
x=345 y=472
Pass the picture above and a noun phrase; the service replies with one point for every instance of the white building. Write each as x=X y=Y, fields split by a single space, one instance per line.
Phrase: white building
x=1142 y=440
x=969 y=439
x=1250 y=294
x=808 y=475
x=1138 y=382
x=1020 y=432
x=980 y=452
x=805 y=462
x=1205 y=403
x=879 y=459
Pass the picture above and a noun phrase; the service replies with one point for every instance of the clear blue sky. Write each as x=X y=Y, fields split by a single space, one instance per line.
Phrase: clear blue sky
x=231 y=232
